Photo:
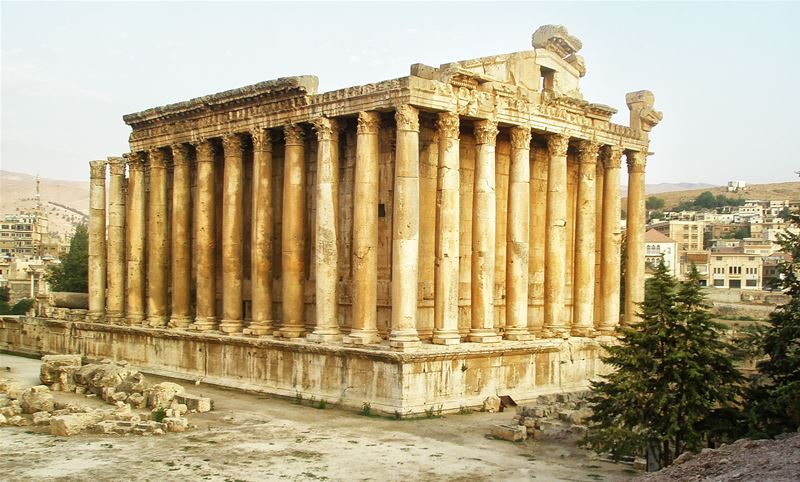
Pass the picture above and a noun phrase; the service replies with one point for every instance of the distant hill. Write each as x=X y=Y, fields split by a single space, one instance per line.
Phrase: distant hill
x=66 y=202
x=764 y=192
x=675 y=186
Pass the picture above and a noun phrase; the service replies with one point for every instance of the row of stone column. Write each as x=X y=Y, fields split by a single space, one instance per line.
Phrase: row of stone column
x=126 y=275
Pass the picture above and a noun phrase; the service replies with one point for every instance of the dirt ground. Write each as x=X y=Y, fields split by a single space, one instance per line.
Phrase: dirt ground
x=258 y=437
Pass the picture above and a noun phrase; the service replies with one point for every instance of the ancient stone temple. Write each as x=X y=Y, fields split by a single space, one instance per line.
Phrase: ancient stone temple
x=424 y=241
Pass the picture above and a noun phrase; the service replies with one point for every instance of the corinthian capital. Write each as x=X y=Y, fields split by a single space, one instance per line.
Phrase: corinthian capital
x=485 y=132
x=97 y=169
x=587 y=152
x=368 y=123
x=448 y=124
x=557 y=144
x=134 y=160
x=637 y=160
x=293 y=134
x=326 y=128
x=180 y=155
x=205 y=151
x=262 y=139
x=232 y=145
x=116 y=166
x=520 y=137
x=407 y=118
x=157 y=158
x=611 y=156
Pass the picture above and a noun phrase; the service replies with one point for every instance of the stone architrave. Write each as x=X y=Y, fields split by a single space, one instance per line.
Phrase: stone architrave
x=205 y=239
x=483 y=234
x=181 y=238
x=555 y=243
x=634 y=235
x=157 y=249
x=583 y=298
x=293 y=239
x=518 y=237
x=261 y=259
x=115 y=303
x=136 y=269
x=612 y=240
x=365 y=232
x=97 y=241
x=232 y=233
x=446 y=271
x=405 y=230
x=327 y=236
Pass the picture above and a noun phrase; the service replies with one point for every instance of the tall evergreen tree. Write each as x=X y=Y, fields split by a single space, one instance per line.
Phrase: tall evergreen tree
x=73 y=272
x=672 y=371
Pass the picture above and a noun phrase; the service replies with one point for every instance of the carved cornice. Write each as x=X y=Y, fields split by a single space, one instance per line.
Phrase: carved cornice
x=448 y=125
x=180 y=155
x=157 y=158
x=368 y=123
x=294 y=135
x=327 y=129
x=611 y=156
x=637 y=161
x=485 y=131
x=134 y=160
x=407 y=118
x=262 y=140
x=98 y=169
x=520 y=137
x=557 y=144
x=116 y=166
x=587 y=151
x=205 y=151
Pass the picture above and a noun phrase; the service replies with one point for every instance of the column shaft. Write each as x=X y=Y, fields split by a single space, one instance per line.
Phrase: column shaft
x=365 y=231
x=97 y=241
x=134 y=311
x=555 y=243
x=157 y=250
x=612 y=239
x=484 y=224
x=583 y=298
x=405 y=230
x=232 y=232
x=116 y=240
x=538 y=231
x=327 y=235
x=634 y=232
x=598 y=244
x=517 y=239
x=293 y=235
x=181 y=239
x=205 y=239
x=447 y=239
x=261 y=259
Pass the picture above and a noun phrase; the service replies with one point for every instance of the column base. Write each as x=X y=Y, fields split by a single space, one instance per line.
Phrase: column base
x=584 y=332
x=158 y=321
x=258 y=328
x=180 y=322
x=403 y=345
x=518 y=334
x=96 y=317
x=290 y=332
x=446 y=338
x=204 y=323
x=555 y=332
x=135 y=319
x=324 y=337
x=116 y=318
x=231 y=326
x=362 y=337
x=483 y=336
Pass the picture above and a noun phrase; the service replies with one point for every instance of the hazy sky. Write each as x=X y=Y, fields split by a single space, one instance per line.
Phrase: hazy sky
x=725 y=75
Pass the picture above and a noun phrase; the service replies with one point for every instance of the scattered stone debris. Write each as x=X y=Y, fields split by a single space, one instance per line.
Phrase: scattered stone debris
x=512 y=433
x=116 y=383
x=562 y=414
x=492 y=404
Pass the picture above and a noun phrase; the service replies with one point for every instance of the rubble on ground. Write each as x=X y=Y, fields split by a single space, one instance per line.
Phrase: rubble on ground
x=561 y=414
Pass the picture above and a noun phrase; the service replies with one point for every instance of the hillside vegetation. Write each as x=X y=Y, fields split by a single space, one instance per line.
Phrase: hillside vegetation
x=764 y=192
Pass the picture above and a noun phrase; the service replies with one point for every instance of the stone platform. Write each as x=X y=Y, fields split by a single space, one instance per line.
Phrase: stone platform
x=432 y=376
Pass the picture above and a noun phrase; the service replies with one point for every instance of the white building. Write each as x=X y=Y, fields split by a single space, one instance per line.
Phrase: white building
x=658 y=247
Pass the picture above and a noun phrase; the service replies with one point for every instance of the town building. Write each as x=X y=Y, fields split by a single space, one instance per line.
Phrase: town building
x=660 y=248
x=687 y=234
x=732 y=268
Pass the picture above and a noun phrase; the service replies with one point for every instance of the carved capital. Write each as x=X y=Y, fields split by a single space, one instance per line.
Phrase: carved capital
x=368 y=123
x=327 y=129
x=116 y=166
x=611 y=156
x=205 y=151
x=643 y=116
x=520 y=137
x=262 y=140
x=157 y=158
x=587 y=152
x=134 y=160
x=637 y=160
x=448 y=125
x=97 y=169
x=232 y=145
x=180 y=155
x=407 y=118
x=557 y=144
x=485 y=131
x=294 y=135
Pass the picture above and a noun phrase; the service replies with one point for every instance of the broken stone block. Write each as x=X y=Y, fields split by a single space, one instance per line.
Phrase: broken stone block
x=158 y=431
x=492 y=404
x=12 y=409
x=18 y=420
x=67 y=425
x=135 y=383
x=175 y=424
x=161 y=395
x=137 y=400
x=194 y=402
x=4 y=401
x=37 y=399
x=56 y=368
x=119 y=397
x=579 y=417
x=41 y=418
x=512 y=433
x=3 y=420
x=80 y=390
x=12 y=389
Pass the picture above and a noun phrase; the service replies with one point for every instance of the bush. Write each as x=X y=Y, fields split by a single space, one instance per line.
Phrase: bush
x=72 y=275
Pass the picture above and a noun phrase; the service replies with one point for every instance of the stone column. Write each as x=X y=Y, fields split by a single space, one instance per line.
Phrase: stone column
x=157 y=250
x=115 y=307
x=598 y=244
x=555 y=243
x=483 y=234
x=634 y=235
x=612 y=239
x=583 y=298
x=181 y=239
x=293 y=235
x=365 y=231
x=518 y=237
x=405 y=230
x=327 y=236
x=538 y=231
x=205 y=239
x=261 y=259
x=445 y=302
x=97 y=241
x=232 y=232
x=134 y=311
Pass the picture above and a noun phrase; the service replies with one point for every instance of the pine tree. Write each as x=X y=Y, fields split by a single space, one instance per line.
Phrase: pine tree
x=672 y=372
x=73 y=272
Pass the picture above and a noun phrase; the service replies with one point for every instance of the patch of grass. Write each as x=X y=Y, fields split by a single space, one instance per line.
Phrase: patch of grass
x=462 y=410
x=298 y=398
x=366 y=409
x=159 y=415
x=463 y=367
x=397 y=415
x=322 y=405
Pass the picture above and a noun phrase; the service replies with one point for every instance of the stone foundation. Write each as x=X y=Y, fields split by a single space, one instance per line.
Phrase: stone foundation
x=441 y=376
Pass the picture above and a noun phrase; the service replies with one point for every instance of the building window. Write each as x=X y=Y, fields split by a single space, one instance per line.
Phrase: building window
x=719 y=283
x=751 y=283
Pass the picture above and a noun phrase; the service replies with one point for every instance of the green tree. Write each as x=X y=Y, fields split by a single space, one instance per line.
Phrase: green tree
x=72 y=274
x=706 y=200
x=5 y=297
x=655 y=203
x=673 y=372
